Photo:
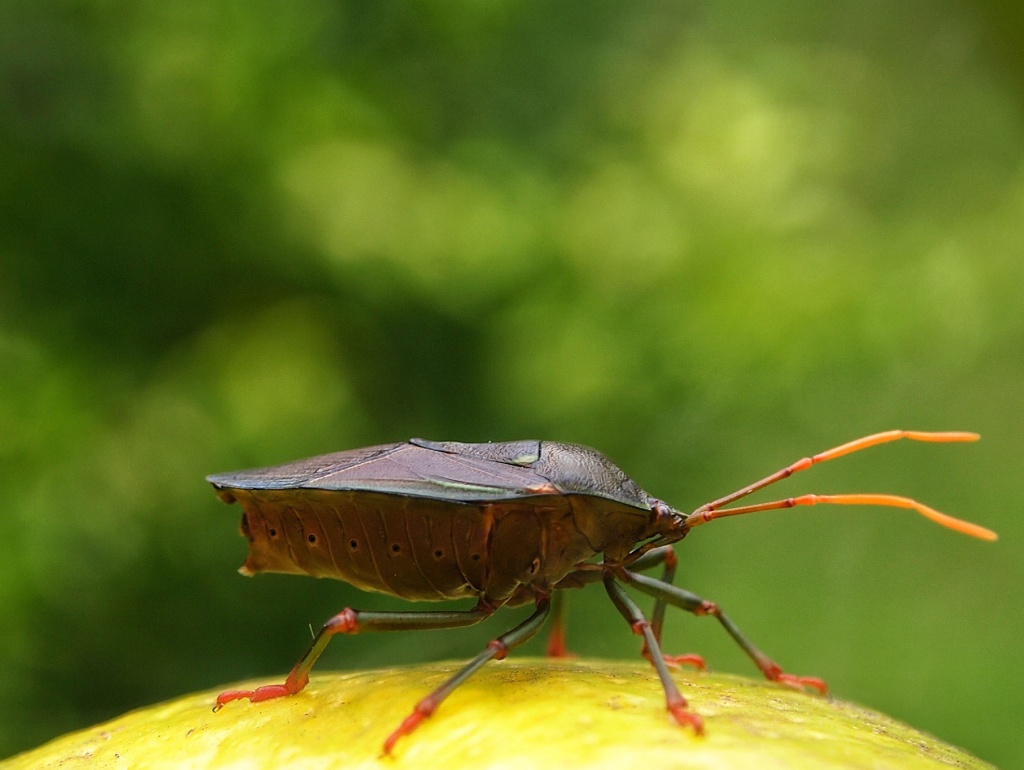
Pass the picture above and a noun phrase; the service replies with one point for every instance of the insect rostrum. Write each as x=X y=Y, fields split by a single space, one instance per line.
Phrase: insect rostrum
x=506 y=524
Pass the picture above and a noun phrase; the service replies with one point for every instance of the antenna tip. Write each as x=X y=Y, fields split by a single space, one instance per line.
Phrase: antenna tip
x=948 y=435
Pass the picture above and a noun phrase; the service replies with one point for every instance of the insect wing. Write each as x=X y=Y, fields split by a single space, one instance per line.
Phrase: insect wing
x=295 y=475
x=402 y=469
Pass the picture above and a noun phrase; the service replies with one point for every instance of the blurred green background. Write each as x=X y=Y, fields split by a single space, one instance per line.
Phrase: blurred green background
x=708 y=239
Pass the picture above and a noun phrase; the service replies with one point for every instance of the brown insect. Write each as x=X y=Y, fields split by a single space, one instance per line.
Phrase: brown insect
x=505 y=524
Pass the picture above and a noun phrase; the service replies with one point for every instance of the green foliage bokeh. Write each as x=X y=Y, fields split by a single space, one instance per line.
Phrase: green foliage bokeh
x=706 y=239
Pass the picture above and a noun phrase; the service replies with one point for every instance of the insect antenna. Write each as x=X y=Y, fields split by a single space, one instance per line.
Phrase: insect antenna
x=716 y=509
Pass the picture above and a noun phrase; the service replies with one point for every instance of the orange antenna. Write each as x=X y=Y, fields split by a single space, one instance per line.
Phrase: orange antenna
x=715 y=509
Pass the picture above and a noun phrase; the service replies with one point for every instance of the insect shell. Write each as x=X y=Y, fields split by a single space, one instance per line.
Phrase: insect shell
x=426 y=520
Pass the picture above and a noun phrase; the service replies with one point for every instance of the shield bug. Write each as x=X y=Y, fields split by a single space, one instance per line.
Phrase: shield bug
x=505 y=524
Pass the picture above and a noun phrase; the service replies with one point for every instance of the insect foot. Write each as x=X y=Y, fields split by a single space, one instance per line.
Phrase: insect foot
x=292 y=685
x=423 y=709
x=798 y=682
x=688 y=659
x=686 y=718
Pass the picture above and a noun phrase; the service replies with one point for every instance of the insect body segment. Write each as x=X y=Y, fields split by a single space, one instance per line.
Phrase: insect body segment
x=504 y=523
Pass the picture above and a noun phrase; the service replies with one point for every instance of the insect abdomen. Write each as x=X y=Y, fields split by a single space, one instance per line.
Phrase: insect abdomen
x=414 y=548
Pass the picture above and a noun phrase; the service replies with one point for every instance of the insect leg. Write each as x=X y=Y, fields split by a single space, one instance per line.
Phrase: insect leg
x=661 y=555
x=350 y=621
x=497 y=649
x=674 y=700
x=690 y=602
x=667 y=556
x=556 y=640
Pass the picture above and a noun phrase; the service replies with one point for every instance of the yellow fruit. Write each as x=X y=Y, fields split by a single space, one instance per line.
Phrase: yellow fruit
x=526 y=714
